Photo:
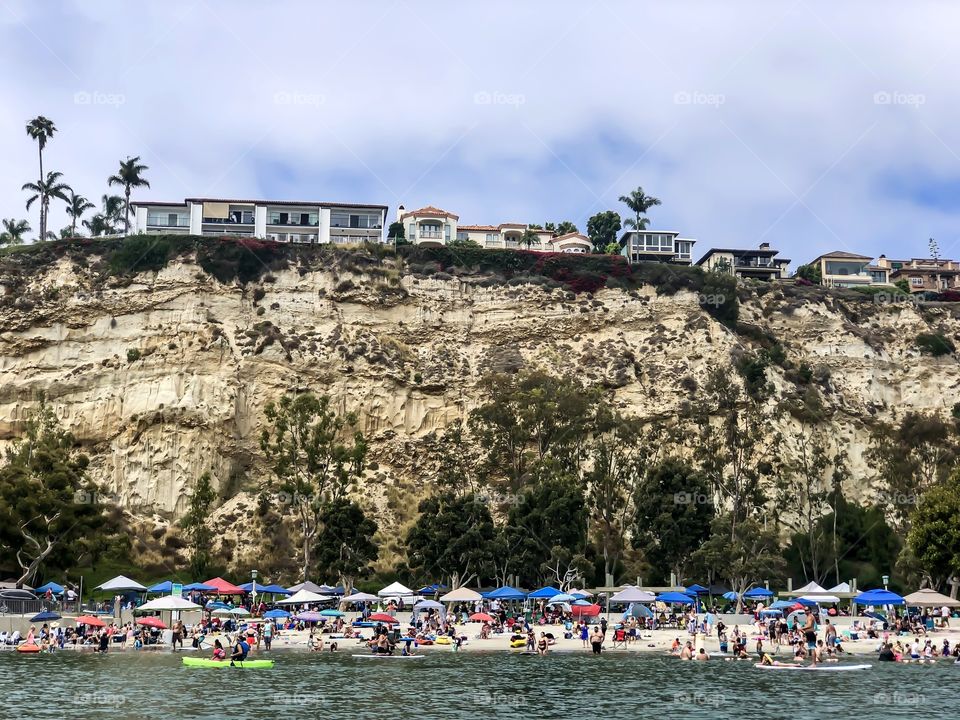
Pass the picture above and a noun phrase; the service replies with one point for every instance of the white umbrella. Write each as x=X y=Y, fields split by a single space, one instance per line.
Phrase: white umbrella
x=239 y=611
x=461 y=595
x=121 y=582
x=395 y=590
x=360 y=597
x=561 y=598
x=303 y=597
x=169 y=602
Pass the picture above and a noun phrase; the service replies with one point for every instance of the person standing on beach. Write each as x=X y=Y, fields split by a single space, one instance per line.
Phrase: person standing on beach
x=584 y=633
x=603 y=626
x=810 y=632
x=596 y=640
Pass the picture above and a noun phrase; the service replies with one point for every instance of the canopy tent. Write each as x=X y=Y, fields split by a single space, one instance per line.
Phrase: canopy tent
x=930 y=598
x=841 y=588
x=544 y=593
x=360 y=597
x=276 y=590
x=168 y=602
x=811 y=587
x=308 y=586
x=819 y=599
x=161 y=587
x=330 y=590
x=248 y=587
x=632 y=594
x=697 y=589
x=878 y=597
x=807 y=602
x=432 y=589
x=52 y=587
x=506 y=593
x=121 y=583
x=199 y=587
x=395 y=590
x=461 y=595
x=303 y=597
x=239 y=612
x=674 y=598
x=758 y=592
x=223 y=587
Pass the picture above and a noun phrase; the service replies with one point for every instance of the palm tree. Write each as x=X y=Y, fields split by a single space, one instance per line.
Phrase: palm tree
x=13 y=232
x=45 y=191
x=98 y=225
x=77 y=205
x=41 y=129
x=129 y=177
x=112 y=211
x=639 y=202
x=565 y=228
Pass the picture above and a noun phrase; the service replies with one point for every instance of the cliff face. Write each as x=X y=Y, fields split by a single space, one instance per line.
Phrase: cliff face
x=166 y=375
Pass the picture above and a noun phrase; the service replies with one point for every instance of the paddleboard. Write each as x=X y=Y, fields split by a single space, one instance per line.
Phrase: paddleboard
x=823 y=668
x=379 y=656
x=209 y=662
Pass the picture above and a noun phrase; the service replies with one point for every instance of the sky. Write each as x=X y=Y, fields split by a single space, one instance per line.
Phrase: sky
x=813 y=126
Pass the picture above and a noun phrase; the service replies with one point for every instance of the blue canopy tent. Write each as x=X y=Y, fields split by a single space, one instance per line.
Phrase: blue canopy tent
x=45 y=616
x=675 y=598
x=52 y=587
x=330 y=590
x=544 y=593
x=248 y=587
x=697 y=589
x=506 y=593
x=757 y=593
x=771 y=612
x=165 y=587
x=807 y=602
x=275 y=590
x=879 y=597
x=273 y=614
x=200 y=587
x=432 y=589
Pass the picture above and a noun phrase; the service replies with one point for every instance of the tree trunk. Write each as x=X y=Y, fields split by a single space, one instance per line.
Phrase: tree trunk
x=126 y=210
x=43 y=209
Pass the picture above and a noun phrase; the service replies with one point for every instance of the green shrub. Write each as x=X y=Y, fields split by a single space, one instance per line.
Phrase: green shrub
x=935 y=344
x=133 y=355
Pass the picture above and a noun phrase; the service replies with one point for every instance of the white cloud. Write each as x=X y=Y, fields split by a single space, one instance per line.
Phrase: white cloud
x=726 y=111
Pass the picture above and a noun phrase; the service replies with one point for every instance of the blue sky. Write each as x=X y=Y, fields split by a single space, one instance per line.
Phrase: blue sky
x=807 y=125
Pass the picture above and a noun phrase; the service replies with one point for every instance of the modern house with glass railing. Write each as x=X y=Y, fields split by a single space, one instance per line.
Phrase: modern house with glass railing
x=840 y=268
x=279 y=220
x=761 y=263
x=433 y=226
x=656 y=246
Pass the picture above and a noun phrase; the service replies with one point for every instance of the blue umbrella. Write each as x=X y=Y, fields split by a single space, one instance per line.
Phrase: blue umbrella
x=216 y=605
x=331 y=613
x=44 y=616
x=758 y=592
x=271 y=614
x=675 y=597
x=52 y=587
x=638 y=610
x=544 y=593
x=879 y=597
x=781 y=605
x=807 y=602
x=165 y=587
x=731 y=596
x=200 y=587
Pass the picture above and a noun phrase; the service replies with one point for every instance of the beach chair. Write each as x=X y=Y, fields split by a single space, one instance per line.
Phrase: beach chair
x=619 y=638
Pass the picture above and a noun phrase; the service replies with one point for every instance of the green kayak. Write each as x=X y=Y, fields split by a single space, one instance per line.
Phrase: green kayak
x=208 y=662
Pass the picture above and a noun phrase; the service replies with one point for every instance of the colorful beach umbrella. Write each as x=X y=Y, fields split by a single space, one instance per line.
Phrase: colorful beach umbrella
x=153 y=622
x=90 y=620
x=51 y=586
x=308 y=616
x=383 y=617
x=331 y=613
x=223 y=587
x=273 y=614
x=481 y=617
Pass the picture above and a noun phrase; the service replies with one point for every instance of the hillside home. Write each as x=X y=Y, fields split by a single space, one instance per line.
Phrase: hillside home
x=845 y=269
x=656 y=246
x=923 y=274
x=280 y=220
x=761 y=263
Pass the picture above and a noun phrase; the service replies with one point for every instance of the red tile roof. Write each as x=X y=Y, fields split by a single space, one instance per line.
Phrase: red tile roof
x=429 y=211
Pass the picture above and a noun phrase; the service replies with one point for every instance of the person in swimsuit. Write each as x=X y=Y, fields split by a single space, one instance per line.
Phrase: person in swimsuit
x=596 y=640
x=810 y=633
x=687 y=652
x=542 y=644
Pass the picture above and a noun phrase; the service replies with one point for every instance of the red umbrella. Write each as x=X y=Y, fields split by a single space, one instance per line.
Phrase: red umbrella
x=90 y=620
x=481 y=617
x=153 y=622
x=383 y=617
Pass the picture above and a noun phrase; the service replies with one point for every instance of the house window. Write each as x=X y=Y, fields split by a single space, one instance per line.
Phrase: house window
x=916 y=281
x=446 y=232
x=461 y=235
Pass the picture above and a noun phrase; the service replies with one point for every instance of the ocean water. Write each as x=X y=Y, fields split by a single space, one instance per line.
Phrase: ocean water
x=466 y=685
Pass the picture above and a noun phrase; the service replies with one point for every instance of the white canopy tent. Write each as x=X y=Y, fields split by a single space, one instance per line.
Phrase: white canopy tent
x=632 y=594
x=811 y=587
x=841 y=588
x=462 y=595
x=360 y=597
x=121 y=583
x=303 y=597
x=396 y=590
x=929 y=597
x=820 y=598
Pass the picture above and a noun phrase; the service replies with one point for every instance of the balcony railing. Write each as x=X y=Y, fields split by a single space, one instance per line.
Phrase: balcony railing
x=429 y=234
x=295 y=223
x=164 y=222
x=228 y=221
